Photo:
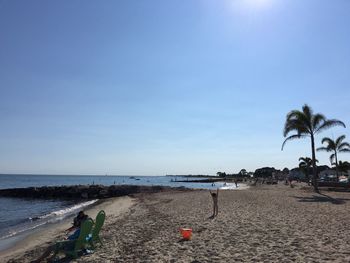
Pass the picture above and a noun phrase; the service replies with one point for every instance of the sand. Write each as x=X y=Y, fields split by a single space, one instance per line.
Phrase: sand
x=262 y=224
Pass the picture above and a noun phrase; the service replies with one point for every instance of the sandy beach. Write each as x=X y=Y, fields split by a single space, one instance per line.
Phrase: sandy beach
x=273 y=223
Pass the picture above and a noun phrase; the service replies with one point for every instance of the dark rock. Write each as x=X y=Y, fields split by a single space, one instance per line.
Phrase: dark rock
x=77 y=192
x=85 y=195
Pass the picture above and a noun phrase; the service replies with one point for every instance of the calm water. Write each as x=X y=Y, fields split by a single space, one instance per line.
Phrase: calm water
x=18 y=217
x=18 y=181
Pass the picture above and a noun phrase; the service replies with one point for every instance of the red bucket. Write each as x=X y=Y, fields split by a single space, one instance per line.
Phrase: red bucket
x=186 y=233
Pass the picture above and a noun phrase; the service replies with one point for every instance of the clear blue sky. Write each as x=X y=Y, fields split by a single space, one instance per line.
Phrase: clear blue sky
x=156 y=87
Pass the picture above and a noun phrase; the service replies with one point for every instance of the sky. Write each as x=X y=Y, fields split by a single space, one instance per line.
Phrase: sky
x=167 y=87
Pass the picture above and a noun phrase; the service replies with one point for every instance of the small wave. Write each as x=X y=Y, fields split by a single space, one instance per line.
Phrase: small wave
x=228 y=186
x=232 y=186
x=68 y=210
x=34 y=218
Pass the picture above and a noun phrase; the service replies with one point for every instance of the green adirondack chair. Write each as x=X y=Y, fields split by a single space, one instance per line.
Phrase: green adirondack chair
x=100 y=219
x=72 y=247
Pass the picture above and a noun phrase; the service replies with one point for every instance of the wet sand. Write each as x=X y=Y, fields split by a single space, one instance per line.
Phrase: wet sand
x=262 y=224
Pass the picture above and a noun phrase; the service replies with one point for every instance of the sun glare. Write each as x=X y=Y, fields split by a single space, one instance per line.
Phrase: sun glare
x=252 y=4
x=257 y=3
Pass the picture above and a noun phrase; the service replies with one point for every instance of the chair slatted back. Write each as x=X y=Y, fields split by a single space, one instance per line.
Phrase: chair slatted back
x=100 y=219
x=85 y=230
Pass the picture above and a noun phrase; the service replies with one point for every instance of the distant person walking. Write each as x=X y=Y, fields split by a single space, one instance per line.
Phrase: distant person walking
x=215 y=197
x=236 y=183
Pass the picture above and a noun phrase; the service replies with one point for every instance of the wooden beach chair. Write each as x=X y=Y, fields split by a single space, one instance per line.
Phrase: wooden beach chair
x=100 y=219
x=73 y=247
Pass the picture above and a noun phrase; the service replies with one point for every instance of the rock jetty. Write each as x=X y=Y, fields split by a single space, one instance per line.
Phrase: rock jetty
x=82 y=191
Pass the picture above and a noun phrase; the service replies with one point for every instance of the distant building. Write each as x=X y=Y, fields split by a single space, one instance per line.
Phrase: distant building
x=330 y=173
x=327 y=173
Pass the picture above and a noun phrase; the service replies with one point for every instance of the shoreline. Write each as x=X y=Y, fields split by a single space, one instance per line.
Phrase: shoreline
x=116 y=206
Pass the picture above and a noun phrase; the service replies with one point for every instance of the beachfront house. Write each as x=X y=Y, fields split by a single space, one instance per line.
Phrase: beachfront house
x=331 y=173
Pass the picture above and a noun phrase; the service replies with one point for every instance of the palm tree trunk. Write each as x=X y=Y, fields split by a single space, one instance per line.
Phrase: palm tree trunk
x=336 y=165
x=307 y=175
x=314 y=168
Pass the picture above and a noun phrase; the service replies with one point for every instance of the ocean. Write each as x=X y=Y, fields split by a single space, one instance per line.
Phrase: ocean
x=20 y=217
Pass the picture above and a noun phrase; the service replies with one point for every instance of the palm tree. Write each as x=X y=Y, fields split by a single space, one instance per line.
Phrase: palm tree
x=335 y=146
x=307 y=124
x=305 y=164
x=243 y=172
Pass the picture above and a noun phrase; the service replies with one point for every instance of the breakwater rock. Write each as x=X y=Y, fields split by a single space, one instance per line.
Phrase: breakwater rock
x=82 y=191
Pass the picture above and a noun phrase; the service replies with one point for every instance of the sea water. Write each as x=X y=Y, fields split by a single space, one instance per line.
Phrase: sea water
x=19 y=216
x=20 y=181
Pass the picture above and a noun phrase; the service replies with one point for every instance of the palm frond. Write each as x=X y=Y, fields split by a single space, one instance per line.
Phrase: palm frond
x=292 y=137
x=323 y=149
x=330 y=144
x=331 y=158
x=339 y=139
x=329 y=124
x=346 y=150
x=294 y=125
x=308 y=112
x=344 y=145
x=327 y=140
x=317 y=120
x=305 y=159
x=296 y=120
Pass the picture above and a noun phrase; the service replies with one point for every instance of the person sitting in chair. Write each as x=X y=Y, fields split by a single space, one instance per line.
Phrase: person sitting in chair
x=78 y=220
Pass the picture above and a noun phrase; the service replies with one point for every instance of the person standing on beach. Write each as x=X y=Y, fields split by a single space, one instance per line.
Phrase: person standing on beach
x=215 y=197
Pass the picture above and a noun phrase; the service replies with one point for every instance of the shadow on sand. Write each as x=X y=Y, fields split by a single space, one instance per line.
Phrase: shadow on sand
x=63 y=260
x=68 y=259
x=322 y=198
